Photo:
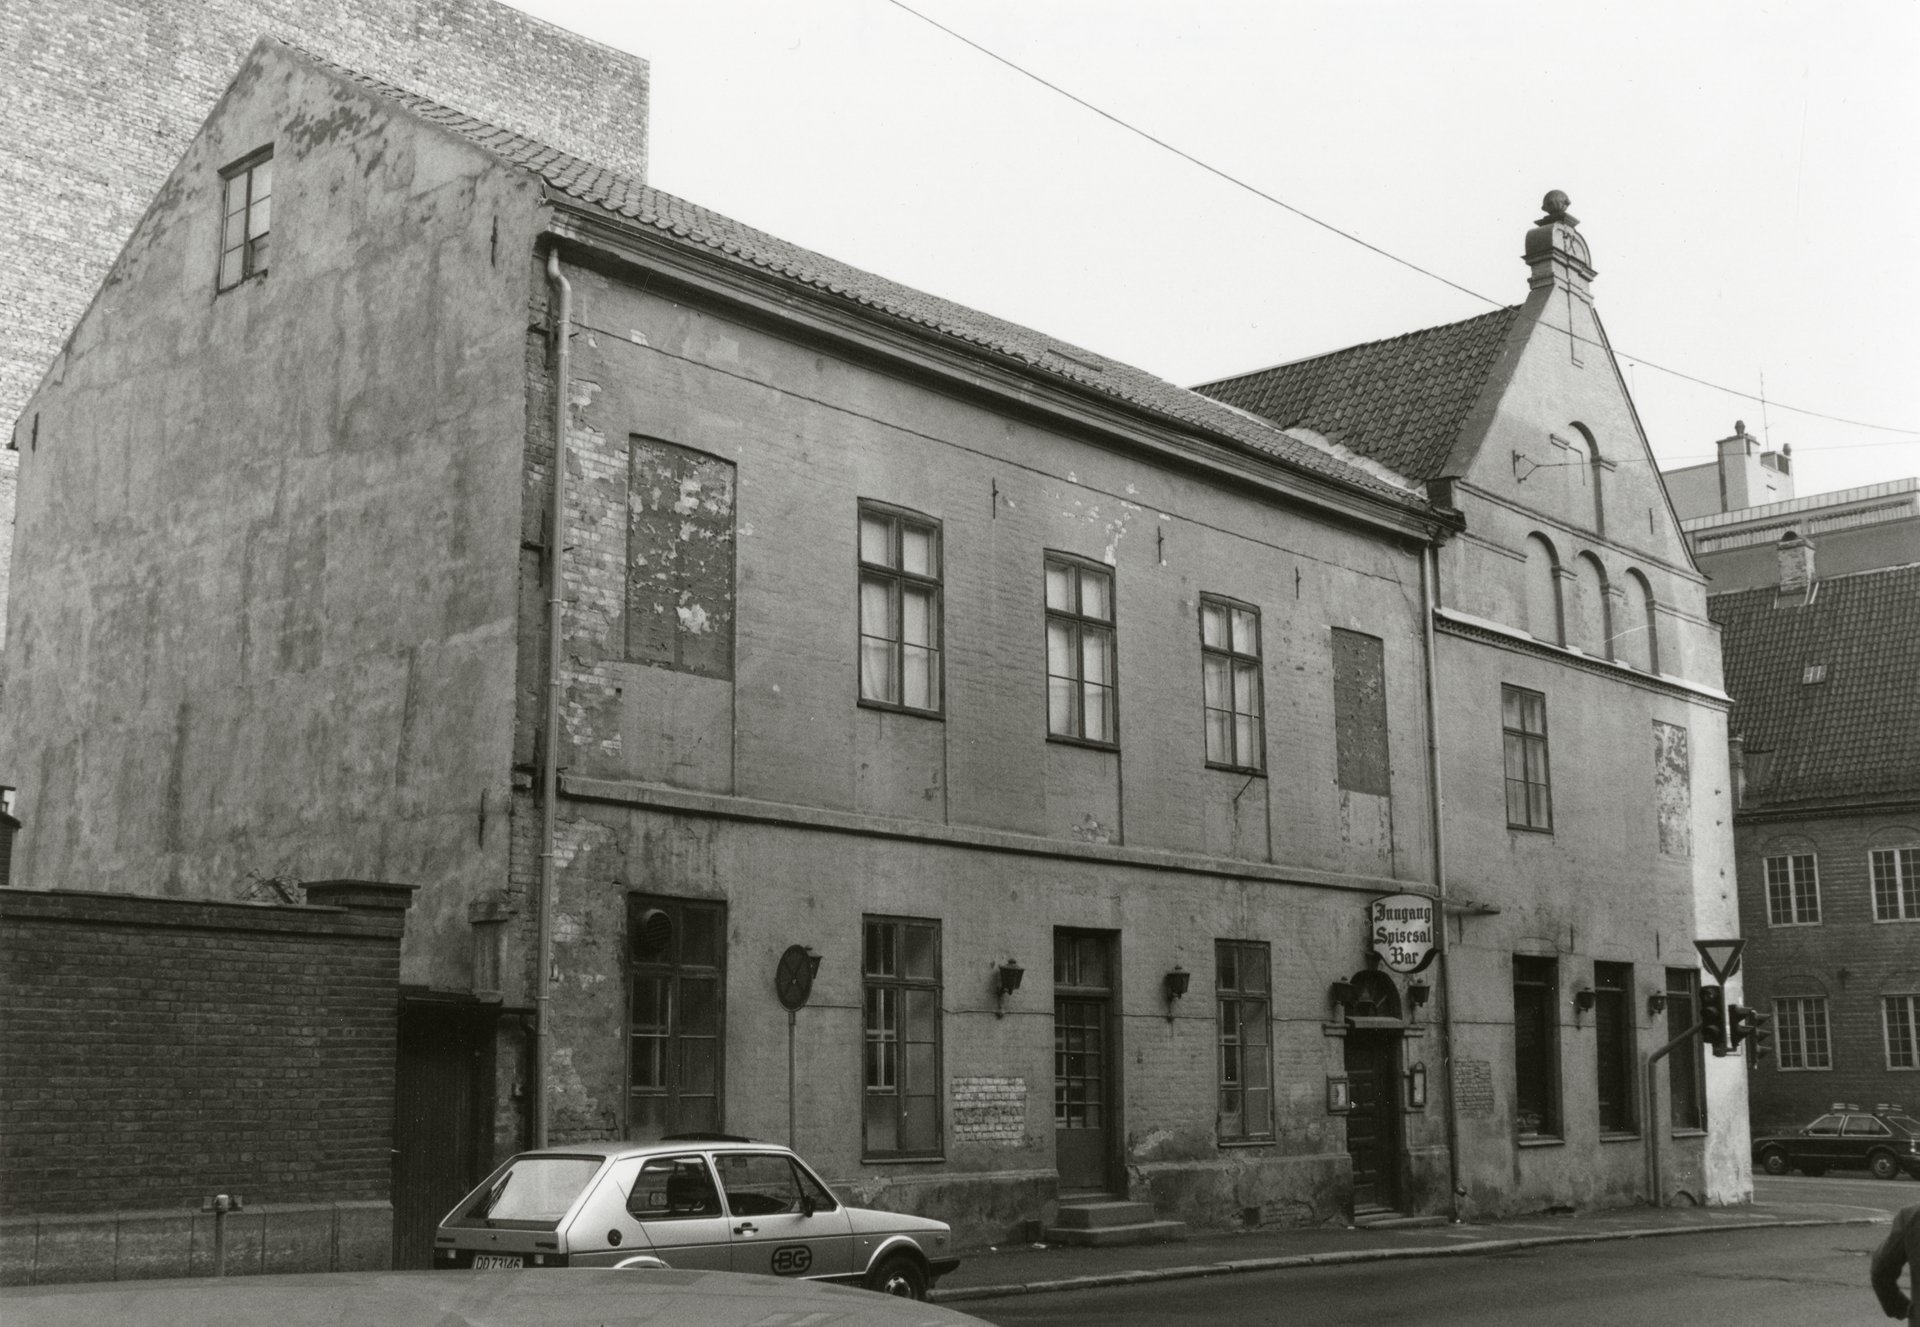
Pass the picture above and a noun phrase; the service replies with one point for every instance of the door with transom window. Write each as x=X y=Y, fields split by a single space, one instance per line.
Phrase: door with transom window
x=1085 y=1101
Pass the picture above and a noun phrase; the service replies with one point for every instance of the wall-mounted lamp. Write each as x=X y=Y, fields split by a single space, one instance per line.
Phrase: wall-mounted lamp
x=1657 y=1003
x=1418 y=993
x=1175 y=985
x=1006 y=981
x=1417 y=1086
x=1582 y=1003
x=1340 y=994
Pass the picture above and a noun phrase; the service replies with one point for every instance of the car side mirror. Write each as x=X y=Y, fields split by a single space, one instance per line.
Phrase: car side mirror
x=807 y=1205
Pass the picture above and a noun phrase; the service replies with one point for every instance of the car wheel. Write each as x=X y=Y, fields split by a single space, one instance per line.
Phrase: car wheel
x=1883 y=1166
x=1775 y=1161
x=899 y=1275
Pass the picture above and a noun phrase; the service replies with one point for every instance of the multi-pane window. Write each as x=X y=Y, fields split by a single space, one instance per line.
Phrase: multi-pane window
x=677 y=979
x=1800 y=1032
x=1082 y=688
x=1523 y=720
x=1246 y=1058
x=1536 y=1047
x=1686 y=1067
x=1902 y=1015
x=899 y=609
x=1230 y=681
x=1793 y=890
x=1613 y=1027
x=1896 y=884
x=900 y=969
x=248 y=205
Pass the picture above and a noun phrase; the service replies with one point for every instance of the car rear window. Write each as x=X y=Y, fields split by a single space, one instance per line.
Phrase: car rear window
x=533 y=1189
x=1906 y=1122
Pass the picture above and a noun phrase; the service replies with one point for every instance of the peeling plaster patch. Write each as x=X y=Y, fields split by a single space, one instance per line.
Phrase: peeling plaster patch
x=693 y=619
x=566 y=928
x=745 y=531
x=1072 y=478
x=1090 y=830
x=1132 y=489
x=638 y=337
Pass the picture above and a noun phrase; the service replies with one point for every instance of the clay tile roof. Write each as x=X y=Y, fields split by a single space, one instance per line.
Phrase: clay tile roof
x=1853 y=735
x=665 y=214
x=1400 y=402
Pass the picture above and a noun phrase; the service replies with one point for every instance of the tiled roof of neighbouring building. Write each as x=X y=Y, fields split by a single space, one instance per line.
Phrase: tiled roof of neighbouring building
x=1399 y=402
x=1851 y=729
x=697 y=228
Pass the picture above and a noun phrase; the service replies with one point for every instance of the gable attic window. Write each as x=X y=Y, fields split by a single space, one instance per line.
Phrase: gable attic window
x=1815 y=674
x=247 y=199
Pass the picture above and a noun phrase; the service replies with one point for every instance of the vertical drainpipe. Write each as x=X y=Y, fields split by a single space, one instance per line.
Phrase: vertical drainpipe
x=1429 y=594
x=562 y=331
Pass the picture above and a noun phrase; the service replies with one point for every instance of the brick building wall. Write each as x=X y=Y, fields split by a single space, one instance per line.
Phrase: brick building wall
x=1847 y=959
x=159 y=1051
x=104 y=95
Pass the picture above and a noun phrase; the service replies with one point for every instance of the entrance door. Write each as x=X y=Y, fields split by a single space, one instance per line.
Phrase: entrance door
x=440 y=1112
x=1085 y=1118
x=1373 y=1128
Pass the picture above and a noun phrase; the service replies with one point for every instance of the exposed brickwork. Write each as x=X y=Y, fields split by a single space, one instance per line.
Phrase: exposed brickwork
x=990 y=1110
x=156 y=1051
x=103 y=96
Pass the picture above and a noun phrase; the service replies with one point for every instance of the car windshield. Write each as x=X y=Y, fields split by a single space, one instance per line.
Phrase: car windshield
x=536 y=1188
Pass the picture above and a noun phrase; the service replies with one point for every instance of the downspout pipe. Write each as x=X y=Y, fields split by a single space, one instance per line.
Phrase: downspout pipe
x=562 y=333
x=1429 y=594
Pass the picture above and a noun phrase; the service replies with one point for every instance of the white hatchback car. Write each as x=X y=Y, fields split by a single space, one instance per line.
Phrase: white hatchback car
x=695 y=1201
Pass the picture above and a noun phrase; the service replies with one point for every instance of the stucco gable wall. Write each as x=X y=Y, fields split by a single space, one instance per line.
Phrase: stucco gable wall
x=263 y=607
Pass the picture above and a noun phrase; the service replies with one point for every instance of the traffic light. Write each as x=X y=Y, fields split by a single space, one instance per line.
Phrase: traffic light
x=1744 y=1024
x=1713 y=1018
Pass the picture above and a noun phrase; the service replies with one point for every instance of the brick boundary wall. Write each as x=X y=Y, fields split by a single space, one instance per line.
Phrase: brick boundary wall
x=157 y=1051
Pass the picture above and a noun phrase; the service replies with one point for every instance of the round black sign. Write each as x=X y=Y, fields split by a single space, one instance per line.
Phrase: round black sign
x=793 y=979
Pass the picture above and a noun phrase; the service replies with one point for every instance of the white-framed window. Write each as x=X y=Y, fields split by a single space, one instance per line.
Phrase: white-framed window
x=1800 y=1032
x=1896 y=884
x=899 y=609
x=1082 y=683
x=247 y=198
x=1230 y=682
x=1901 y=1014
x=1793 y=890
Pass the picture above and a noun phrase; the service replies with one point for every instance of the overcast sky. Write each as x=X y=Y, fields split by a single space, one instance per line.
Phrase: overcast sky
x=1747 y=174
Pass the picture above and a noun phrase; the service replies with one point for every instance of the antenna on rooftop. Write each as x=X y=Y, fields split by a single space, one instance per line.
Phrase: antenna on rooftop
x=1766 y=431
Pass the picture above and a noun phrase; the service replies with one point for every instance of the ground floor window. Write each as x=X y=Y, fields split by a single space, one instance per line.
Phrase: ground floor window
x=1686 y=1068
x=1800 y=1032
x=1242 y=983
x=1613 y=1028
x=1902 y=1015
x=675 y=1015
x=900 y=969
x=1536 y=1047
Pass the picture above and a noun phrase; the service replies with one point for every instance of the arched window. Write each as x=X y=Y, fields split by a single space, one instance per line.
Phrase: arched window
x=1588 y=624
x=1636 y=643
x=1543 y=591
x=1592 y=472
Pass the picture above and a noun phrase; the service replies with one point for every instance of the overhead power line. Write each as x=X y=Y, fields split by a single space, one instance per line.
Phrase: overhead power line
x=1349 y=236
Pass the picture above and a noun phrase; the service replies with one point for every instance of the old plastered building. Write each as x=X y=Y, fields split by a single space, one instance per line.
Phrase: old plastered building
x=1072 y=720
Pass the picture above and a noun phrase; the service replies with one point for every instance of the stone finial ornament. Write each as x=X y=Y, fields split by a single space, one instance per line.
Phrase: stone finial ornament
x=1556 y=205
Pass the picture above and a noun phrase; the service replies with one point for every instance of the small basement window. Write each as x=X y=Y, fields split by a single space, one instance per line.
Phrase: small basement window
x=248 y=199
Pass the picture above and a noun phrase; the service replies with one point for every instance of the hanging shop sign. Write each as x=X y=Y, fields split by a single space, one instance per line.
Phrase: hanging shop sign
x=1400 y=930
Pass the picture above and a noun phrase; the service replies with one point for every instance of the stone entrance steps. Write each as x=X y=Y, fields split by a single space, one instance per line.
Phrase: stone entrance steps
x=1104 y=1222
x=1369 y=1217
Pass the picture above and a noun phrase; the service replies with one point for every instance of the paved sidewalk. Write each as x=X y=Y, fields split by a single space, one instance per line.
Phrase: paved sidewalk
x=1027 y=1269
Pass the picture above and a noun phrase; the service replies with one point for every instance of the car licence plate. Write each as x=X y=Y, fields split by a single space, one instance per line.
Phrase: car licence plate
x=495 y=1262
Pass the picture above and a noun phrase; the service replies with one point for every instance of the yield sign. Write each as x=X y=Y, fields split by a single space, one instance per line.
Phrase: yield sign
x=1722 y=957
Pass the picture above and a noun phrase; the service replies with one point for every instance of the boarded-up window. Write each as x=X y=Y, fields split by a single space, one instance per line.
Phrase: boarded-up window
x=680 y=552
x=1672 y=789
x=1360 y=712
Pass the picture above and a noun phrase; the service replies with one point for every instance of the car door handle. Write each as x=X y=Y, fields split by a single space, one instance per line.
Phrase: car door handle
x=746 y=1228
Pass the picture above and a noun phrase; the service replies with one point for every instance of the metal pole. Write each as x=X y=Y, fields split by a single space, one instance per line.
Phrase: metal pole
x=793 y=1016
x=1654 y=1189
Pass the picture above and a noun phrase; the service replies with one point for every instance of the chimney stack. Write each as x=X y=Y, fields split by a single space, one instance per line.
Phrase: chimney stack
x=1796 y=567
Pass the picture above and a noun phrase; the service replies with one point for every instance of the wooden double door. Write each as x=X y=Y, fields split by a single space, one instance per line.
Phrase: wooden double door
x=1373 y=1126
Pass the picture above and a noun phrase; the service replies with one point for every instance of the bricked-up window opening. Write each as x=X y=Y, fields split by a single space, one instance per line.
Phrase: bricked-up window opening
x=246 y=212
x=1613 y=1028
x=680 y=559
x=1230 y=683
x=900 y=969
x=1800 y=1032
x=1793 y=890
x=1536 y=1047
x=1246 y=1039
x=1896 y=884
x=676 y=1016
x=1082 y=689
x=1686 y=1066
x=899 y=610
x=1523 y=720
x=1901 y=1014
x=1360 y=714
